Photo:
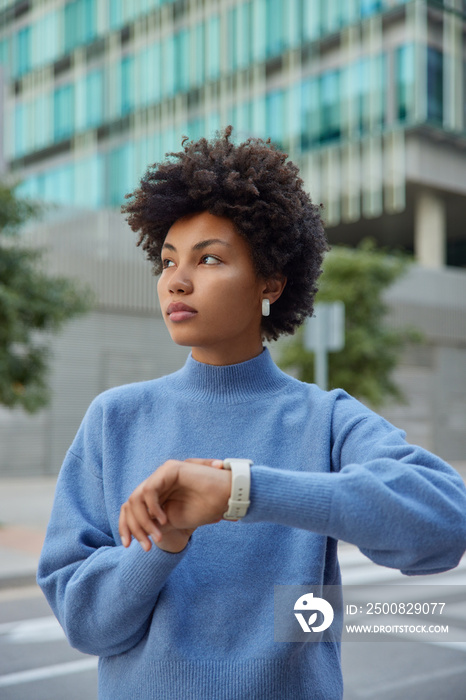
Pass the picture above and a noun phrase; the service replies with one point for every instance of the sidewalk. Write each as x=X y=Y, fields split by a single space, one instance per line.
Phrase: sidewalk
x=25 y=505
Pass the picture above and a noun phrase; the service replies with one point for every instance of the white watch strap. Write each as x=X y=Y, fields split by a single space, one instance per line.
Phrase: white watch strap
x=238 y=502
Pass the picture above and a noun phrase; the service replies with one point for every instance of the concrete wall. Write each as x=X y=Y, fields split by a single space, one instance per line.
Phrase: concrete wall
x=92 y=354
x=433 y=375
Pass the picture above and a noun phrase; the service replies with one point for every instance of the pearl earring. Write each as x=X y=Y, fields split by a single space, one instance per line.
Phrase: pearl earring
x=265 y=307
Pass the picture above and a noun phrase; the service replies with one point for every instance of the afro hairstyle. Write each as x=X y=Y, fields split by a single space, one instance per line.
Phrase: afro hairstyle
x=263 y=195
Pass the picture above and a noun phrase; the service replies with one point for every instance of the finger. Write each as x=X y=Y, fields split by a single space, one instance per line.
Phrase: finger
x=140 y=523
x=216 y=463
x=123 y=528
x=154 y=509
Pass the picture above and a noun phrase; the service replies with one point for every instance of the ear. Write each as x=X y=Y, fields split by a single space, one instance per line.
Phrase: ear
x=274 y=287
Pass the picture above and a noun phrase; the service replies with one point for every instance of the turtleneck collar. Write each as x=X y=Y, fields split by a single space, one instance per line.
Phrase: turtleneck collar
x=238 y=383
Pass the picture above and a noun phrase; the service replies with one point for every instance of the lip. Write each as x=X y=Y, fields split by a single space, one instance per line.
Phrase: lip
x=179 y=306
x=177 y=311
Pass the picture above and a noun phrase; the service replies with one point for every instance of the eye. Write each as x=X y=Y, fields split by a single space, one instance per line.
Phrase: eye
x=166 y=262
x=212 y=258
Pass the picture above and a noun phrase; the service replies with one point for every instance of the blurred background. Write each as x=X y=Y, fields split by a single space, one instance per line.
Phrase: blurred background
x=368 y=97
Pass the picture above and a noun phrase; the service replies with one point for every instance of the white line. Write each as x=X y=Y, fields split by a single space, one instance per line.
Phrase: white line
x=38 y=629
x=37 y=674
x=416 y=681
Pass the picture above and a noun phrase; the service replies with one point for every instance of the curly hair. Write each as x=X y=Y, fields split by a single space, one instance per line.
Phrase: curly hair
x=263 y=195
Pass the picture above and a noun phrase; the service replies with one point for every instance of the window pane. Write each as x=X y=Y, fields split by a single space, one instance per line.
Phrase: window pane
x=182 y=62
x=200 y=55
x=127 y=84
x=404 y=59
x=71 y=26
x=116 y=14
x=310 y=113
x=89 y=19
x=434 y=85
x=330 y=105
x=63 y=112
x=23 y=44
x=196 y=128
x=168 y=66
x=245 y=38
x=369 y=7
x=94 y=98
x=275 y=24
x=213 y=44
x=275 y=111
x=259 y=29
x=312 y=20
x=232 y=34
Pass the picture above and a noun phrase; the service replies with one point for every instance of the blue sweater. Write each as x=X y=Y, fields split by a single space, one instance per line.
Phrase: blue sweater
x=199 y=624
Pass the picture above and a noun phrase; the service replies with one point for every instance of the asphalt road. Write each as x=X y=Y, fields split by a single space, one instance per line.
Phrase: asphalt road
x=36 y=662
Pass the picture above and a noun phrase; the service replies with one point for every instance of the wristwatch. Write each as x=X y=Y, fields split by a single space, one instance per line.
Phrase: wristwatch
x=238 y=502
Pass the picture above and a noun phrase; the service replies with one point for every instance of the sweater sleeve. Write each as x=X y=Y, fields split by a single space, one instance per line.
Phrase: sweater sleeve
x=401 y=505
x=102 y=594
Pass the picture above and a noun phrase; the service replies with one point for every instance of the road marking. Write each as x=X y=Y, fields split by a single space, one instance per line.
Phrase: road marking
x=38 y=674
x=413 y=681
x=35 y=630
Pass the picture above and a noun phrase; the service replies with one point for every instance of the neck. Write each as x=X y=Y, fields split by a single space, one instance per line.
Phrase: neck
x=226 y=356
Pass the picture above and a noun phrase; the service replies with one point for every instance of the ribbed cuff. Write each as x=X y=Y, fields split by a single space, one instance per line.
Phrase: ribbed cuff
x=298 y=499
x=144 y=571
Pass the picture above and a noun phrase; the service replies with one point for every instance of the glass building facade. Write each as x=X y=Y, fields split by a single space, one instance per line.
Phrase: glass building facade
x=96 y=90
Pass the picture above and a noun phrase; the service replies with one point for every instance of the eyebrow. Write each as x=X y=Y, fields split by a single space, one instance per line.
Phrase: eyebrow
x=200 y=245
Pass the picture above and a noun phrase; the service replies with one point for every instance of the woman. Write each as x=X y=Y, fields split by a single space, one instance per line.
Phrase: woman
x=186 y=608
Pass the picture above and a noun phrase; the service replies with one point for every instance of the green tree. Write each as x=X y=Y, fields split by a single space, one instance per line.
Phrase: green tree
x=32 y=306
x=358 y=277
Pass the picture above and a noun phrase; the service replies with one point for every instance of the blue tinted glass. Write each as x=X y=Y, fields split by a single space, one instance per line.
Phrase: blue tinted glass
x=310 y=113
x=213 y=63
x=182 y=62
x=71 y=25
x=434 y=85
x=168 y=63
x=94 y=98
x=23 y=53
x=89 y=19
x=63 y=112
x=275 y=117
x=196 y=128
x=369 y=7
x=404 y=58
x=232 y=33
x=116 y=14
x=275 y=24
x=200 y=53
x=127 y=84
x=330 y=105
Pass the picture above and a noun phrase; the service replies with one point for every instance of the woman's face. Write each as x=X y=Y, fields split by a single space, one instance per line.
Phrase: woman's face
x=209 y=293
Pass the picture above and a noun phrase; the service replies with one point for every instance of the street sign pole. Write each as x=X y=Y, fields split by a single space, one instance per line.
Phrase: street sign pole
x=320 y=353
x=324 y=333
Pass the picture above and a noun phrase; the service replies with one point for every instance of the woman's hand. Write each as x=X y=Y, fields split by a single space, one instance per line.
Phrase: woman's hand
x=173 y=501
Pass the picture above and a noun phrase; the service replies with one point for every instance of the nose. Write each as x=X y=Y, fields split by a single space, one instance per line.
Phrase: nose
x=180 y=283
